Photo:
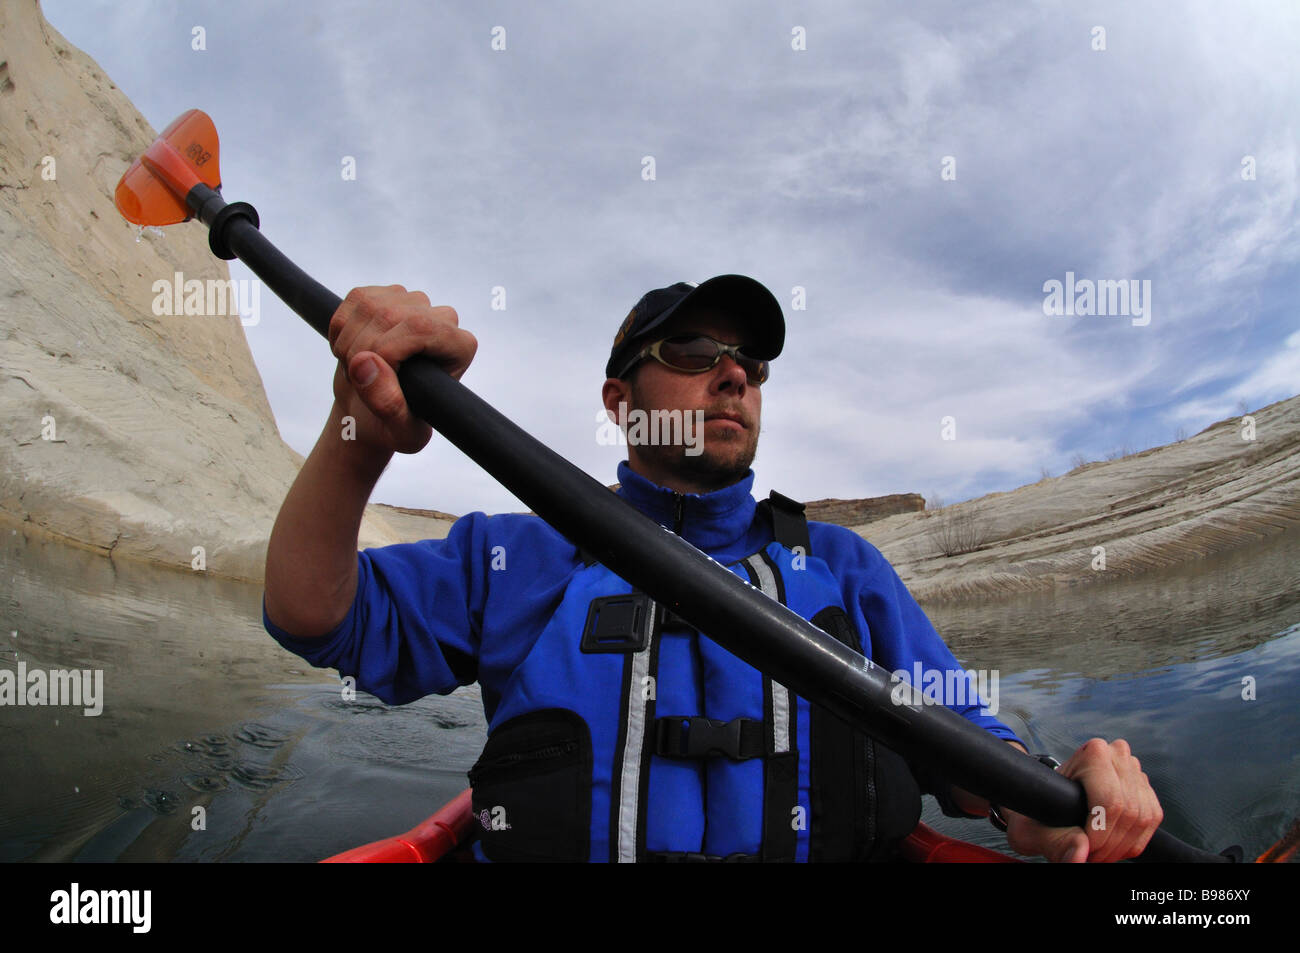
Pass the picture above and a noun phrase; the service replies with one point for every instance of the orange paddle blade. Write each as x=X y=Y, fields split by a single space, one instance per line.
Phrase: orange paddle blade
x=153 y=190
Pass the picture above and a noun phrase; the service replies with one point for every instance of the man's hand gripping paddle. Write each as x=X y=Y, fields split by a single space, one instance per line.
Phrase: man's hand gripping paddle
x=177 y=178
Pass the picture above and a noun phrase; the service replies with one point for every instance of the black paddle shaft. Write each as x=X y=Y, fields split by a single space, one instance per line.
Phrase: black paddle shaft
x=737 y=616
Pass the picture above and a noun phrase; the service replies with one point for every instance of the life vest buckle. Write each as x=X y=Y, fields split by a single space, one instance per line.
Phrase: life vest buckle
x=621 y=623
x=700 y=737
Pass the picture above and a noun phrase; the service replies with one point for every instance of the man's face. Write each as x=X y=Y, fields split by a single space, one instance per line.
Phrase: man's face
x=730 y=403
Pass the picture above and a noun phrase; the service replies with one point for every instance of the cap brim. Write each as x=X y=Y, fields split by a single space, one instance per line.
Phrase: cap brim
x=748 y=299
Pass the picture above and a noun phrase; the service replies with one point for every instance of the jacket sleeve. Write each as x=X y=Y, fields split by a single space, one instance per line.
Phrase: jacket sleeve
x=898 y=636
x=413 y=628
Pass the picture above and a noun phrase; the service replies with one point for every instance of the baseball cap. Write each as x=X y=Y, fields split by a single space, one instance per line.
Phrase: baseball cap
x=746 y=298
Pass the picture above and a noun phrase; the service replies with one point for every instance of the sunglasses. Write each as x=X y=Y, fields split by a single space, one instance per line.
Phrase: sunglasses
x=697 y=353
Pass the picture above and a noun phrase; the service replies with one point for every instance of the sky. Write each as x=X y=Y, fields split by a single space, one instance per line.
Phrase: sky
x=907 y=178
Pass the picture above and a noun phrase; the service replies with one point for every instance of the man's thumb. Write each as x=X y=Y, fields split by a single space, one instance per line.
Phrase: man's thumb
x=377 y=386
x=364 y=371
x=1068 y=845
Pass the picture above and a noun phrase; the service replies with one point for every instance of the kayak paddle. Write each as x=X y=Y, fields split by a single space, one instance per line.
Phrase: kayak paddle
x=177 y=178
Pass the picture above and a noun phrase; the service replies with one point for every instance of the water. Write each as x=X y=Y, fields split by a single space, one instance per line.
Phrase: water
x=206 y=720
x=201 y=710
x=1168 y=662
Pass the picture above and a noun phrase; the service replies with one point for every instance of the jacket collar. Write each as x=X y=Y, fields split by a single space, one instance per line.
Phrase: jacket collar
x=708 y=521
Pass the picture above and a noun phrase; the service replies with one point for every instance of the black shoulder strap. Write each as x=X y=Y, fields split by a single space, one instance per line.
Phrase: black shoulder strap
x=789 y=523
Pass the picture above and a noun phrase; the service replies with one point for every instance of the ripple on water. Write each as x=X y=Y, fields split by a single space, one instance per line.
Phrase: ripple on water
x=448 y=723
x=159 y=801
x=212 y=750
x=258 y=777
x=260 y=736
x=357 y=706
x=218 y=764
x=205 y=783
x=208 y=744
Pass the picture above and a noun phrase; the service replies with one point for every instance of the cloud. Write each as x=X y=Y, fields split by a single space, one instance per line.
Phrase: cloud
x=522 y=169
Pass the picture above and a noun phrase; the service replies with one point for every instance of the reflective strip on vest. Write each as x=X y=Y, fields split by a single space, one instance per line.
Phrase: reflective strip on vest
x=628 y=794
x=780 y=694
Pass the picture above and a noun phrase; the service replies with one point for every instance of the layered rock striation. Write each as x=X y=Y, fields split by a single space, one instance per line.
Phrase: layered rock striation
x=129 y=432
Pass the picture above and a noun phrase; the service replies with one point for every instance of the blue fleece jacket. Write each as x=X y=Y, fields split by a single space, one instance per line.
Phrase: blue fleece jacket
x=433 y=615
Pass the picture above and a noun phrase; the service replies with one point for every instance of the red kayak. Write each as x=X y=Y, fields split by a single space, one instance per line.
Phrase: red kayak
x=446 y=836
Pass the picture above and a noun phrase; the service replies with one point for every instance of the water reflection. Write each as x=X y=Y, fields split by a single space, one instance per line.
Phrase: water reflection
x=216 y=745
x=1197 y=667
x=201 y=711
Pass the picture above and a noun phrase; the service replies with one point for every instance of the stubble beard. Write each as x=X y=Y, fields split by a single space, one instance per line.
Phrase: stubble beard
x=721 y=462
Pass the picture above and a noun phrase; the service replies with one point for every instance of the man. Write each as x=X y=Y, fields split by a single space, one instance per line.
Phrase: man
x=617 y=732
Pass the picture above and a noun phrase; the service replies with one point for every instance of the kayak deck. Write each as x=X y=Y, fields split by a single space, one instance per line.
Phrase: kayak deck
x=447 y=834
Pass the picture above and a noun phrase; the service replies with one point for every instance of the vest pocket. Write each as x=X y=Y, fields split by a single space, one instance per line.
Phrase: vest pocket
x=897 y=800
x=864 y=797
x=532 y=788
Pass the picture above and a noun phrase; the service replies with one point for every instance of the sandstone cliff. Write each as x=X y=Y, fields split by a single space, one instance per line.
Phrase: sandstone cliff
x=861 y=512
x=127 y=432
x=1235 y=482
